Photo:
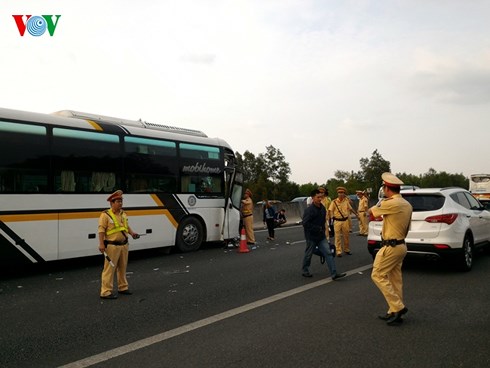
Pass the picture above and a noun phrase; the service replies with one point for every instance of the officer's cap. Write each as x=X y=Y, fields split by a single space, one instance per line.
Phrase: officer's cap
x=391 y=180
x=341 y=189
x=118 y=194
x=359 y=192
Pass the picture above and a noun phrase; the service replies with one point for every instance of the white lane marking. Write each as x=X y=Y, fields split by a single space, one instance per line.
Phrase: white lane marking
x=140 y=344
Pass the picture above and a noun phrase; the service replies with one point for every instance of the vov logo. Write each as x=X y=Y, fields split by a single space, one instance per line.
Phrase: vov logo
x=36 y=25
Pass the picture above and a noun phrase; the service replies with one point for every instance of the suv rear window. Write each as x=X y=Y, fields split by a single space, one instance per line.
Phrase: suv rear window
x=425 y=202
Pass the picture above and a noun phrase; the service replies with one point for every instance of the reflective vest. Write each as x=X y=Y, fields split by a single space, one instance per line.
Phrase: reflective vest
x=117 y=227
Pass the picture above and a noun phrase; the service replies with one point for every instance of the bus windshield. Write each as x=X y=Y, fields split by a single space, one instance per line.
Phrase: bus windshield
x=479 y=186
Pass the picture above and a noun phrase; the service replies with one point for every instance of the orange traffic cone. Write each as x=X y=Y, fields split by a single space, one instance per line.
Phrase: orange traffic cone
x=243 y=242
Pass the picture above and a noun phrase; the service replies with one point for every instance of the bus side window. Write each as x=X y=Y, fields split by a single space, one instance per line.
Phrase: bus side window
x=103 y=182
x=201 y=184
x=187 y=184
x=24 y=163
x=138 y=185
x=68 y=181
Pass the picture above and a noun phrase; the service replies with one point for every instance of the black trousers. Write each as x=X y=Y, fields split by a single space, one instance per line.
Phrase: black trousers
x=270 y=227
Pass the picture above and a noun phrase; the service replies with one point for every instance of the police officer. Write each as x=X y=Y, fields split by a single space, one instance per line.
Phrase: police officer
x=247 y=216
x=387 y=266
x=326 y=201
x=113 y=239
x=340 y=210
x=362 y=211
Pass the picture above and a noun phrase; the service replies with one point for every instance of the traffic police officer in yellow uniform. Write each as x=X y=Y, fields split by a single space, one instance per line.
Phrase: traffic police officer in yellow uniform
x=326 y=200
x=362 y=211
x=113 y=239
x=340 y=210
x=247 y=216
x=387 y=266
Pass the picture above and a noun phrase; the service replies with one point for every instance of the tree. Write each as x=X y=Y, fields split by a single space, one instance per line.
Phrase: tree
x=276 y=165
x=305 y=189
x=372 y=169
x=434 y=179
x=267 y=174
x=251 y=166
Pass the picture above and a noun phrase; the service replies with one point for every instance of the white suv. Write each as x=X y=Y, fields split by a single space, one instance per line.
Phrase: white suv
x=445 y=222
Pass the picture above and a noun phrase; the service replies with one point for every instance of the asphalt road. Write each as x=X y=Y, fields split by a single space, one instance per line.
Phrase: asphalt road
x=220 y=308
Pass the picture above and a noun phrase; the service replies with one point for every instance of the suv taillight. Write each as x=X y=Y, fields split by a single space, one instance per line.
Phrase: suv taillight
x=447 y=219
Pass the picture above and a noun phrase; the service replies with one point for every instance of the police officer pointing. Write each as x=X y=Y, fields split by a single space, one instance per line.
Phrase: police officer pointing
x=387 y=266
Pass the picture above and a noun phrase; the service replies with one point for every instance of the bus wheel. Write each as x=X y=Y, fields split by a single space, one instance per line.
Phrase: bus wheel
x=189 y=235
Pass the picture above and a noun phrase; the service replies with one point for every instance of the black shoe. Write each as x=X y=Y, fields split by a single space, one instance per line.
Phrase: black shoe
x=307 y=274
x=348 y=253
x=339 y=254
x=125 y=292
x=396 y=318
x=322 y=259
x=110 y=296
x=339 y=276
x=386 y=317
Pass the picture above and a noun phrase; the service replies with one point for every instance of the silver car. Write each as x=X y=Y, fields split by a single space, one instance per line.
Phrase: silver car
x=446 y=222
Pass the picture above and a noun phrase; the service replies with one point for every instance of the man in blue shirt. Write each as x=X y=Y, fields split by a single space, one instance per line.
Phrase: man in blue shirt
x=316 y=241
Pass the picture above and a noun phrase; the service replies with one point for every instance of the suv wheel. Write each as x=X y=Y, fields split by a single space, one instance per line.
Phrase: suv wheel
x=466 y=257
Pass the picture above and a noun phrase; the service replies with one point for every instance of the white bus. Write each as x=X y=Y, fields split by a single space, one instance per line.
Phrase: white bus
x=480 y=186
x=56 y=171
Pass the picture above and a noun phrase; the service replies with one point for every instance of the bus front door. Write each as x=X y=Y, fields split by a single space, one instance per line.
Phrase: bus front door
x=234 y=189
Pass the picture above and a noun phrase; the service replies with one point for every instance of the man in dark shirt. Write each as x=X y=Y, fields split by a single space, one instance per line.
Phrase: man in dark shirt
x=280 y=218
x=316 y=241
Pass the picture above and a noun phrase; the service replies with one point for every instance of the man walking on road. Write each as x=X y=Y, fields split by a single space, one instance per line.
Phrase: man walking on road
x=387 y=266
x=316 y=241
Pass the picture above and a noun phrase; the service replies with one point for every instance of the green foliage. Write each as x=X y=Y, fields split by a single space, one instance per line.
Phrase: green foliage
x=434 y=179
x=372 y=169
x=275 y=164
x=305 y=189
x=267 y=176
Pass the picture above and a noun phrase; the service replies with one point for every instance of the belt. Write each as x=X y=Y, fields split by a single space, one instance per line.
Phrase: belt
x=339 y=219
x=247 y=215
x=392 y=242
x=113 y=242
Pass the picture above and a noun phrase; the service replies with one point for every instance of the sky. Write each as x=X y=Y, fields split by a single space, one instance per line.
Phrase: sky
x=325 y=82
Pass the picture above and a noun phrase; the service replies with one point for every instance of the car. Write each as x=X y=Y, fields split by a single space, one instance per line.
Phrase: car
x=299 y=199
x=381 y=194
x=354 y=200
x=271 y=201
x=485 y=203
x=446 y=223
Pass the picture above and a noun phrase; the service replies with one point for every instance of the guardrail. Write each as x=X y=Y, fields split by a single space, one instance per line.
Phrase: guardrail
x=294 y=212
